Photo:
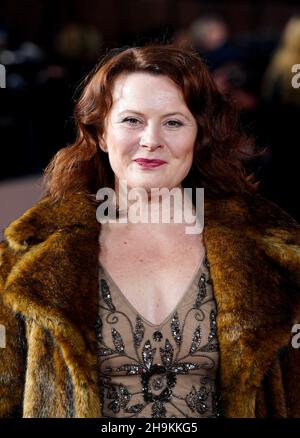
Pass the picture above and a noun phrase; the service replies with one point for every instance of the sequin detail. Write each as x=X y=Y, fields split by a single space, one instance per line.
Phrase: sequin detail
x=157 y=336
x=159 y=358
x=139 y=331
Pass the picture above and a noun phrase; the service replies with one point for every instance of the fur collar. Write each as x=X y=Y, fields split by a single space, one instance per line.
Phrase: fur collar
x=254 y=252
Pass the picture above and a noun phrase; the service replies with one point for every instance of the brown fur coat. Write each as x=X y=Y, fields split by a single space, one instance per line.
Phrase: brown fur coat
x=48 y=301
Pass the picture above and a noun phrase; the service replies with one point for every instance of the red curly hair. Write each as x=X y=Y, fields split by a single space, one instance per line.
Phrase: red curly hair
x=219 y=160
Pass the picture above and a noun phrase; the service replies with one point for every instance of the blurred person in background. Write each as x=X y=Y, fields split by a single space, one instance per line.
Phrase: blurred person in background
x=281 y=121
x=210 y=35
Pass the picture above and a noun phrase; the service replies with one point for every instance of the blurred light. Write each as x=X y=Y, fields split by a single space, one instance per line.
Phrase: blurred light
x=7 y=57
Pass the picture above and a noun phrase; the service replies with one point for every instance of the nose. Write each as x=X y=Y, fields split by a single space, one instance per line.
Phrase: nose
x=151 y=138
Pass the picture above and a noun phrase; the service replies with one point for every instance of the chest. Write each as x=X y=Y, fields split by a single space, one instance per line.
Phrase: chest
x=152 y=275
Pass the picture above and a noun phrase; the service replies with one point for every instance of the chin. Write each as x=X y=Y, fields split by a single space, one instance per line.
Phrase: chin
x=146 y=183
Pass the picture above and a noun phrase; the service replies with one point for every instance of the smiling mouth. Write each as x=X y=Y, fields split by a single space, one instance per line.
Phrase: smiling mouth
x=144 y=162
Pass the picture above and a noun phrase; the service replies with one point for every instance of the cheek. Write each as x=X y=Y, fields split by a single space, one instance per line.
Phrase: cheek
x=122 y=141
x=185 y=146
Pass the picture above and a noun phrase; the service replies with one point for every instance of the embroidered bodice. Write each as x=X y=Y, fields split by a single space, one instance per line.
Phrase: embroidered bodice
x=166 y=370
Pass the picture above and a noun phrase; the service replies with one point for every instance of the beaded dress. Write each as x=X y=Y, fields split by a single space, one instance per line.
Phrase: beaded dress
x=158 y=371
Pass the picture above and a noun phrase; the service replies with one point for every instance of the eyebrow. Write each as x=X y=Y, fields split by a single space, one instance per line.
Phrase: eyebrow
x=165 y=115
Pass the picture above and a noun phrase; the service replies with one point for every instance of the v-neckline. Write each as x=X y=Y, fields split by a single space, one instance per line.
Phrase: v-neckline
x=166 y=319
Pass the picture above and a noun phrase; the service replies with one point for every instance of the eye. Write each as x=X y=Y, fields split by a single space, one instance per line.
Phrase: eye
x=174 y=123
x=131 y=120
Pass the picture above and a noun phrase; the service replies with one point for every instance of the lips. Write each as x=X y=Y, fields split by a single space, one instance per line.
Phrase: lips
x=144 y=162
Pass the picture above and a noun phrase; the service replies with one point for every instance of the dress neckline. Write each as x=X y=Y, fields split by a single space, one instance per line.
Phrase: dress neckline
x=166 y=319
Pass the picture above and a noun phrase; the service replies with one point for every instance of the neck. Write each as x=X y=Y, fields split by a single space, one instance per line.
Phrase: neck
x=155 y=206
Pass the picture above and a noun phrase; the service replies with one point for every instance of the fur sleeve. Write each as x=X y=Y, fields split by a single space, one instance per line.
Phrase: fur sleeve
x=279 y=393
x=12 y=347
x=290 y=371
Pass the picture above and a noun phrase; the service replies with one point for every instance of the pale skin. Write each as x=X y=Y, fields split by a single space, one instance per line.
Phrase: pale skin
x=152 y=264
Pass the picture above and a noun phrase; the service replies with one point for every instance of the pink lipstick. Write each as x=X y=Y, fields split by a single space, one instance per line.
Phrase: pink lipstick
x=144 y=162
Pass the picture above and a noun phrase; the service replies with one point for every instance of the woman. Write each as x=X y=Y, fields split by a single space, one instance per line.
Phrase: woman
x=135 y=319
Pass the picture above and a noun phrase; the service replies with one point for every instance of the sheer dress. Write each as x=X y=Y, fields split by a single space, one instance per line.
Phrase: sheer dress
x=159 y=371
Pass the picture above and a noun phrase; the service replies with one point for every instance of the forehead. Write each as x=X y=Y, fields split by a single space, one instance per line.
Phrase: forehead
x=144 y=88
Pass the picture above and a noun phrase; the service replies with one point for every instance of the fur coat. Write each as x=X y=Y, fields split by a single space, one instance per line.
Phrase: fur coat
x=48 y=302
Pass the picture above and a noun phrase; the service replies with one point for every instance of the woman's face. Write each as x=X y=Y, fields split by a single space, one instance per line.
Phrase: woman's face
x=149 y=119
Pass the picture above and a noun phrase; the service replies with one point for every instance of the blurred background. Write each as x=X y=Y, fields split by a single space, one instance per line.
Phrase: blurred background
x=47 y=47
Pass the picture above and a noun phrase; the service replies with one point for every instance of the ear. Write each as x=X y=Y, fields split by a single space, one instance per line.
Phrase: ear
x=102 y=143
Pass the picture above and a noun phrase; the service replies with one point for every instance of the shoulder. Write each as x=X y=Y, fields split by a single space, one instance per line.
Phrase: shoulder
x=246 y=209
x=255 y=219
x=46 y=217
